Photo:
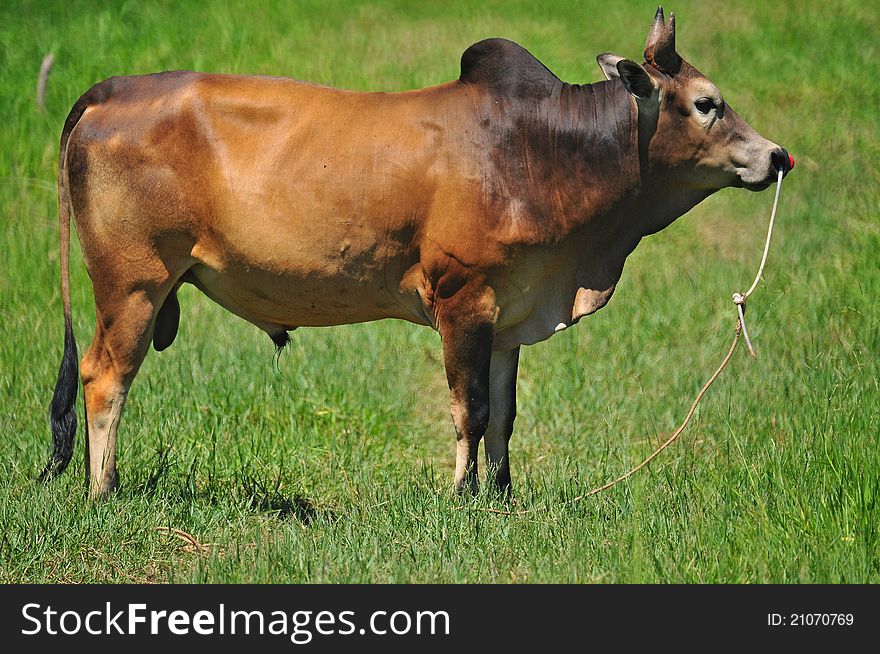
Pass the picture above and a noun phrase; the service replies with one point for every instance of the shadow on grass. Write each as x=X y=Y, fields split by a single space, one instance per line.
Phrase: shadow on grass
x=163 y=479
x=285 y=508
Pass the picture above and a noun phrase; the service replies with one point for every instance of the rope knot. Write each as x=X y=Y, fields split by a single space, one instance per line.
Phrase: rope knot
x=739 y=299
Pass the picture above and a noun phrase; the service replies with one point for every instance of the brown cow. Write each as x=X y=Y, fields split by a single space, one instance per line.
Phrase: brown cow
x=498 y=209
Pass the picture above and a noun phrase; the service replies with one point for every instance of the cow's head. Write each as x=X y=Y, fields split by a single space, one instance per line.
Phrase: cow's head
x=692 y=136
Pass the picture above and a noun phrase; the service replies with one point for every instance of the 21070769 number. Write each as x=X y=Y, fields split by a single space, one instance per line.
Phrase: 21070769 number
x=810 y=620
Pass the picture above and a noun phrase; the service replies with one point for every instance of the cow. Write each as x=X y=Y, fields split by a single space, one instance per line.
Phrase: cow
x=497 y=209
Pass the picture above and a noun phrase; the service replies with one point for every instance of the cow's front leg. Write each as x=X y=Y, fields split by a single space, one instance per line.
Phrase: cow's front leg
x=502 y=413
x=466 y=322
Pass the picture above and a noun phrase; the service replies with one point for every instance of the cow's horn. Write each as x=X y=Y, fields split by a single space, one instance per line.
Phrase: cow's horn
x=656 y=28
x=662 y=52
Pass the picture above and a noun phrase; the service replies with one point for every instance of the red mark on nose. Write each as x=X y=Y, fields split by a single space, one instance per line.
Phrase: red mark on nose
x=790 y=162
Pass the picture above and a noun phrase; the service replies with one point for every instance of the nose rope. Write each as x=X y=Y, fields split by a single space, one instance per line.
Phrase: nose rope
x=739 y=299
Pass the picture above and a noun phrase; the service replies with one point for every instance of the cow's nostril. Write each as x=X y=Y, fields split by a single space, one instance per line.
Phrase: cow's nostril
x=780 y=160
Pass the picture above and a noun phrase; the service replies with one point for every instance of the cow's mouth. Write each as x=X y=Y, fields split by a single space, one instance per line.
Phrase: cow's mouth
x=759 y=186
x=754 y=186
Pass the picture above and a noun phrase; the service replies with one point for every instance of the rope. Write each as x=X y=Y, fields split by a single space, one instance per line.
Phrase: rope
x=739 y=299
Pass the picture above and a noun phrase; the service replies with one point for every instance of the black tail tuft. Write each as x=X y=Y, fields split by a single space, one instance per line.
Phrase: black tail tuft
x=62 y=412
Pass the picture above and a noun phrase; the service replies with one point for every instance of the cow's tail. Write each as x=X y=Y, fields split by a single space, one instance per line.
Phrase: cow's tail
x=62 y=411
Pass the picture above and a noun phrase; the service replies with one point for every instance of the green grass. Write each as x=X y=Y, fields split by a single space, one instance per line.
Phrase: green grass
x=337 y=467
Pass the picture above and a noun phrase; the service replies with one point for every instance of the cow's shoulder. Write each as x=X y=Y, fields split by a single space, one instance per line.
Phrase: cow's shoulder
x=506 y=68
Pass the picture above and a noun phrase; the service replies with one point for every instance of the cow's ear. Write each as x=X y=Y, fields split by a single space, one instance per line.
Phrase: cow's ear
x=636 y=79
x=608 y=63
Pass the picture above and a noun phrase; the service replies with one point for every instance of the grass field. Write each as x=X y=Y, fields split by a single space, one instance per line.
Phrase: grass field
x=336 y=466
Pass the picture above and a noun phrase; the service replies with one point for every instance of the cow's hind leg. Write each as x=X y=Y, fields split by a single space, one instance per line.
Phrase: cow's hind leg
x=502 y=412
x=122 y=337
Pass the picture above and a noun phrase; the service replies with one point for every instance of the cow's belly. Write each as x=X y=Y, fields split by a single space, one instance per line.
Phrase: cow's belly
x=296 y=301
x=312 y=289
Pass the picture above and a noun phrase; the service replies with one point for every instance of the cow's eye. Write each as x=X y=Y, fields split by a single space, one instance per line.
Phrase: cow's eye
x=704 y=105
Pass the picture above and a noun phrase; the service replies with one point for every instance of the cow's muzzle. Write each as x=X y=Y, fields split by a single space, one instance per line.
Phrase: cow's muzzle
x=780 y=159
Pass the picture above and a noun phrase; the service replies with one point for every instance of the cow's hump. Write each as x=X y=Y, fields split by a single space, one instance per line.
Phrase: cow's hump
x=506 y=68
